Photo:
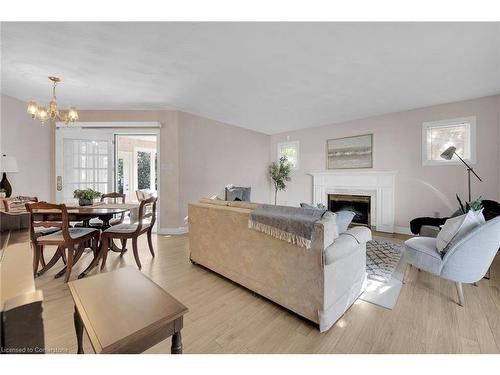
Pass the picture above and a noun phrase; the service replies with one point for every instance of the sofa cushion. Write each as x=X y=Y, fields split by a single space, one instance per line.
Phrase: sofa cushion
x=330 y=229
x=243 y=204
x=344 y=218
x=422 y=253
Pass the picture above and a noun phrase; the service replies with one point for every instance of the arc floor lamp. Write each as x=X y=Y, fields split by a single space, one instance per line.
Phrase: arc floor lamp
x=448 y=154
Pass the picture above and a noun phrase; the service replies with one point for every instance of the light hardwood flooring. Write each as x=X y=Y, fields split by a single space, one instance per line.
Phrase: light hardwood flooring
x=226 y=318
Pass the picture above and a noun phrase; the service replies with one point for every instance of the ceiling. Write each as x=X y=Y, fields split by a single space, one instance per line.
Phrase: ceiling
x=269 y=77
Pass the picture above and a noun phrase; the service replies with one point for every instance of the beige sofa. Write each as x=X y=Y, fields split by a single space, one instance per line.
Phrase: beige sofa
x=319 y=283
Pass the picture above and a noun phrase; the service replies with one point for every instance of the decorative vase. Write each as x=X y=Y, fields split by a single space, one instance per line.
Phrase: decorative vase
x=85 y=202
x=4 y=184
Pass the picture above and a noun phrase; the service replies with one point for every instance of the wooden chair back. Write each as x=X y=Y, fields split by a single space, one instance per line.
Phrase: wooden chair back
x=115 y=197
x=17 y=203
x=147 y=209
x=143 y=194
x=53 y=215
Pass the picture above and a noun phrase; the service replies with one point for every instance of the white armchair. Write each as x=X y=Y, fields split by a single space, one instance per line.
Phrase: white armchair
x=467 y=261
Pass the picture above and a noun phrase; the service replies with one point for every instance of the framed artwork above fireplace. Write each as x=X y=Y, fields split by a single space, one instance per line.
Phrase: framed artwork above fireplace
x=350 y=152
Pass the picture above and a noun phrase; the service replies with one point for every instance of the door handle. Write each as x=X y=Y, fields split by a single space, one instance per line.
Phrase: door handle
x=59 y=183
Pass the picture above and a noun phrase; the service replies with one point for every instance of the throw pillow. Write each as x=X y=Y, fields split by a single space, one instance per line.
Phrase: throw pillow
x=331 y=232
x=480 y=216
x=454 y=226
x=344 y=218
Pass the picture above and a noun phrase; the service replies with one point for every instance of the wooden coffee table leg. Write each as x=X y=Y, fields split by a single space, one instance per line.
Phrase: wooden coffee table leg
x=176 y=343
x=79 y=331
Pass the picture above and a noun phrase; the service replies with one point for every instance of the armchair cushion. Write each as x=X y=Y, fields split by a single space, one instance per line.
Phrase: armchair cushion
x=422 y=253
x=456 y=227
x=429 y=231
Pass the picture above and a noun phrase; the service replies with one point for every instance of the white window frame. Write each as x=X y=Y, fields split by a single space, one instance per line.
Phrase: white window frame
x=455 y=121
x=296 y=144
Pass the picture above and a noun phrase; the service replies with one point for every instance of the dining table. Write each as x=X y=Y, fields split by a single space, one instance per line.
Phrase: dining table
x=99 y=210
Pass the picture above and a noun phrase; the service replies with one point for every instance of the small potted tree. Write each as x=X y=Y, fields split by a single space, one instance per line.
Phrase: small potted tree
x=280 y=174
x=86 y=196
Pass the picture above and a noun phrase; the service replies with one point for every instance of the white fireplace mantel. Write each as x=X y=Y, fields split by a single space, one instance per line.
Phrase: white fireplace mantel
x=379 y=185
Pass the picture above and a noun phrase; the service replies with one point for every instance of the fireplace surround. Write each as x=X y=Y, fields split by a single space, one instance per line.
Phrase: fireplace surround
x=378 y=185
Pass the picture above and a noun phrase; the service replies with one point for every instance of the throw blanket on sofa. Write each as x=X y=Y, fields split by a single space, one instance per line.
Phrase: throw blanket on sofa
x=291 y=224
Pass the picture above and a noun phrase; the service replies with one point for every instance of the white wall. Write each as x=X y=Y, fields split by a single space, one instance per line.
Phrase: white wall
x=420 y=190
x=30 y=143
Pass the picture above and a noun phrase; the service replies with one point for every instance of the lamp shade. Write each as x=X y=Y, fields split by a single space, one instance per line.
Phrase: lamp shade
x=448 y=153
x=9 y=164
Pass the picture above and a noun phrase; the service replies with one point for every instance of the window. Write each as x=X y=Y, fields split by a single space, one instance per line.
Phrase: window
x=291 y=151
x=437 y=136
x=86 y=165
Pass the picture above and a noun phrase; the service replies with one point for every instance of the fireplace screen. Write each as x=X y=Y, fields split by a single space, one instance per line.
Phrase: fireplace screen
x=359 y=204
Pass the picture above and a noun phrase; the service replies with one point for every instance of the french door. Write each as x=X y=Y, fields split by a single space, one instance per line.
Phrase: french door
x=84 y=159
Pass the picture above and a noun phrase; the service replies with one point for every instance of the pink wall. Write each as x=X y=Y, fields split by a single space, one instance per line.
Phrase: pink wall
x=213 y=155
x=200 y=156
x=420 y=190
x=31 y=144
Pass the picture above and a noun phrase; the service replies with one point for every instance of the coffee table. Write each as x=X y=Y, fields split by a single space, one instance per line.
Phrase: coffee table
x=123 y=311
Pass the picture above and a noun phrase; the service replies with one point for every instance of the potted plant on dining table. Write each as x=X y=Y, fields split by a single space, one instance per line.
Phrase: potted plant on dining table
x=86 y=196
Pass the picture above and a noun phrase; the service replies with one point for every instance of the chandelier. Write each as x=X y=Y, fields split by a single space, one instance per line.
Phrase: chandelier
x=51 y=111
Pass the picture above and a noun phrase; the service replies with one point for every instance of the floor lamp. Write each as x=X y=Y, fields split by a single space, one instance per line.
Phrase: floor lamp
x=448 y=154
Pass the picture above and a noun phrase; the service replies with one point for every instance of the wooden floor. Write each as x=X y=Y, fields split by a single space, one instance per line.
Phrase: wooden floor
x=226 y=318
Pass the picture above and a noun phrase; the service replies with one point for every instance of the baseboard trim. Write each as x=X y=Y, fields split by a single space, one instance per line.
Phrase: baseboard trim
x=403 y=230
x=173 y=231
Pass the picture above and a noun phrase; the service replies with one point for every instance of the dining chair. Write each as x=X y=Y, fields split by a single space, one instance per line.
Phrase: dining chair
x=143 y=194
x=147 y=218
x=72 y=239
x=113 y=197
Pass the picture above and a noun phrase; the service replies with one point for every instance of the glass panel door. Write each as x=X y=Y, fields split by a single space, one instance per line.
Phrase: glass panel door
x=84 y=159
x=136 y=160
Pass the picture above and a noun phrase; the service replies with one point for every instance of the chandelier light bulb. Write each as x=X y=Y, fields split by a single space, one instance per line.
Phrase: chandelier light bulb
x=72 y=114
x=43 y=115
x=32 y=109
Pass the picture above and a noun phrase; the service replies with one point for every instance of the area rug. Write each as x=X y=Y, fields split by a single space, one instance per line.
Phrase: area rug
x=385 y=272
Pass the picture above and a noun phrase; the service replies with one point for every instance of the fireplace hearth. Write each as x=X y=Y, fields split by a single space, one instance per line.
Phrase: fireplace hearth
x=359 y=204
